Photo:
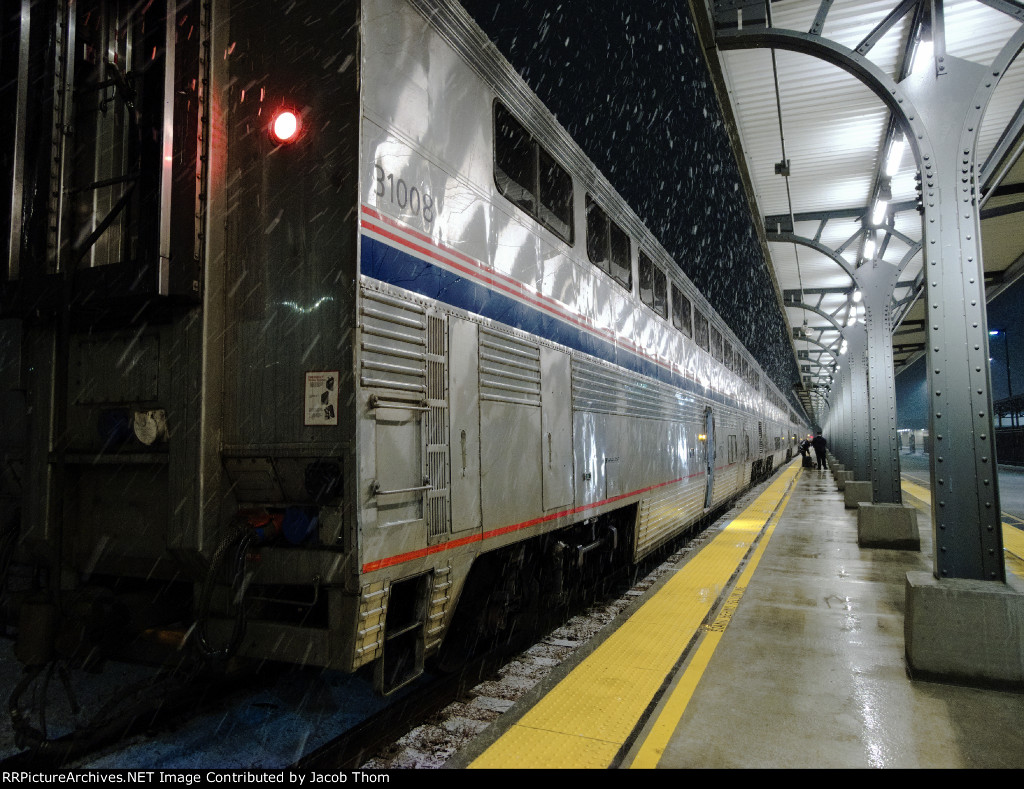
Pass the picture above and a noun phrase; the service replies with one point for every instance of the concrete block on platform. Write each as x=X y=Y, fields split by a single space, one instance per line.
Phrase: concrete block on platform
x=856 y=491
x=965 y=631
x=841 y=478
x=887 y=526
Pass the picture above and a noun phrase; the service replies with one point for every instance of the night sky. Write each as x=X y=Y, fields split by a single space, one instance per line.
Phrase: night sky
x=1005 y=313
x=629 y=83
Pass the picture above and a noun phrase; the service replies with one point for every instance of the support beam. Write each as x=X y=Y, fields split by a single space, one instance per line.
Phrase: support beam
x=940 y=117
x=877 y=280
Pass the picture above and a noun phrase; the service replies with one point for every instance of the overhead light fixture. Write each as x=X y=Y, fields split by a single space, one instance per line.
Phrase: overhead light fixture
x=895 y=157
x=879 y=212
x=869 y=248
x=857 y=296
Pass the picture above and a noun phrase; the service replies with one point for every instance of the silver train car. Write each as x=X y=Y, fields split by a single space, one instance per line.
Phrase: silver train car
x=320 y=336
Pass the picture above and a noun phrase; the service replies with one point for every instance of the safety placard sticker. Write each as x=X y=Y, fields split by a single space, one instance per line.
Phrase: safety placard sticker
x=321 y=402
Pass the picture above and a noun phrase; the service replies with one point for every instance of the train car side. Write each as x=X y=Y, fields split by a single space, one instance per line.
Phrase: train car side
x=394 y=374
x=578 y=403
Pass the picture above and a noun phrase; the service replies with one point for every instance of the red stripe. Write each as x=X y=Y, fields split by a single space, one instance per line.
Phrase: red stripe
x=455 y=253
x=500 y=281
x=497 y=280
x=391 y=561
x=494 y=278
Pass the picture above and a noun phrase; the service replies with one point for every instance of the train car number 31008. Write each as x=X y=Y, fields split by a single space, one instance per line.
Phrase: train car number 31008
x=407 y=198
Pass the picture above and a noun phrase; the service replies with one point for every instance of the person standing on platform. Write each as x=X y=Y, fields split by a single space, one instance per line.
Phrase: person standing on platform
x=805 y=452
x=819 y=444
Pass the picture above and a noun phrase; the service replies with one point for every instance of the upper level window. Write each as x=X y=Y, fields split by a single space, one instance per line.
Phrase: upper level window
x=653 y=286
x=608 y=245
x=681 y=312
x=528 y=176
x=700 y=330
x=716 y=344
x=728 y=354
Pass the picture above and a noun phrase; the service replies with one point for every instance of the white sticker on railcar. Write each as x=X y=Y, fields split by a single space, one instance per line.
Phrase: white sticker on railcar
x=321 y=401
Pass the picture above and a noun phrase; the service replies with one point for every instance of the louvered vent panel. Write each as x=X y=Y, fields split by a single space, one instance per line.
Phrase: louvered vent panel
x=610 y=391
x=663 y=513
x=509 y=369
x=440 y=596
x=437 y=428
x=393 y=344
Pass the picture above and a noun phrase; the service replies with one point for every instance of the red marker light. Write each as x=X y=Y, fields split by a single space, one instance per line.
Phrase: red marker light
x=285 y=127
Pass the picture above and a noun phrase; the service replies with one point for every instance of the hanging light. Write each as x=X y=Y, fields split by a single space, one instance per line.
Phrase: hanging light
x=869 y=248
x=922 y=56
x=878 y=214
x=892 y=161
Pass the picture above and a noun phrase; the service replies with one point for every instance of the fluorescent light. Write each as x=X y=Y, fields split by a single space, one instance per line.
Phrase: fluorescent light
x=869 y=248
x=922 y=56
x=857 y=296
x=878 y=214
x=892 y=162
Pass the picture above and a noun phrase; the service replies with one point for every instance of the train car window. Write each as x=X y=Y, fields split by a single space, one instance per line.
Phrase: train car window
x=622 y=269
x=528 y=176
x=608 y=245
x=700 y=330
x=514 y=160
x=716 y=344
x=555 y=197
x=681 y=312
x=728 y=355
x=653 y=286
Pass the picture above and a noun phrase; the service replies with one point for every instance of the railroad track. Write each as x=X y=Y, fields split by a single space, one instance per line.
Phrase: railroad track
x=174 y=704
x=156 y=704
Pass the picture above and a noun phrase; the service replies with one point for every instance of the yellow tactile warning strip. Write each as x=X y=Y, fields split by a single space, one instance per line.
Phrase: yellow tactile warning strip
x=654 y=745
x=1013 y=549
x=916 y=491
x=1013 y=537
x=585 y=719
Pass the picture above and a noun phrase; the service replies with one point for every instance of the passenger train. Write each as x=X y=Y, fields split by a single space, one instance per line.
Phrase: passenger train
x=321 y=338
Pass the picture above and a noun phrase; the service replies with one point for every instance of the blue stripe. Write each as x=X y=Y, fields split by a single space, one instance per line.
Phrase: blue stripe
x=401 y=269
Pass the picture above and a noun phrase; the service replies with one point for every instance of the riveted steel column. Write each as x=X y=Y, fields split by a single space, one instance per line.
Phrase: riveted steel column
x=842 y=437
x=877 y=281
x=846 y=408
x=965 y=511
x=859 y=430
x=940 y=111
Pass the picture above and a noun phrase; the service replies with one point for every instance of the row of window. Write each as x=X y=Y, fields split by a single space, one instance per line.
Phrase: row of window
x=732 y=452
x=529 y=177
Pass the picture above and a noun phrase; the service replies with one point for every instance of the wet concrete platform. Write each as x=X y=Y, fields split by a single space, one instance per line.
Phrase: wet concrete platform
x=810 y=672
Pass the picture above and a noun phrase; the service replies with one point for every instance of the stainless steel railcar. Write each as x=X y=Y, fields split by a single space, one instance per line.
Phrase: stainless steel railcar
x=406 y=354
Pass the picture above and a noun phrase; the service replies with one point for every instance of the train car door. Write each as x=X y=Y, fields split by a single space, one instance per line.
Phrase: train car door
x=556 y=429
x=464 y=402
x=709 y=454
